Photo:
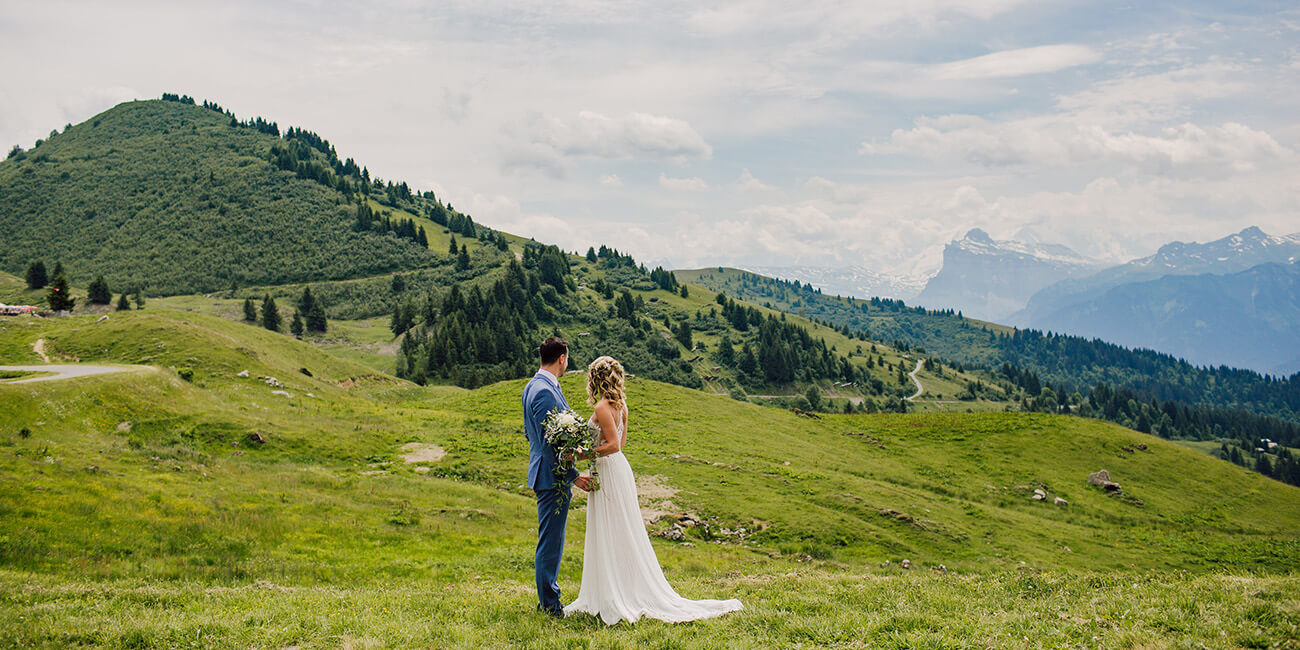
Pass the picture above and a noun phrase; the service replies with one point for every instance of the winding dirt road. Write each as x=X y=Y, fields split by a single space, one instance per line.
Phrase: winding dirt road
x=61 y=371
x=916 y=381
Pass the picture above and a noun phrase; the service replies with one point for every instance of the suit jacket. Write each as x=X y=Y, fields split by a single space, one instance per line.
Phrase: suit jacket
x=541 y=396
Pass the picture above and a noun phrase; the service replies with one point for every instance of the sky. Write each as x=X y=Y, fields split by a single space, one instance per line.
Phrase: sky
x=751 y=133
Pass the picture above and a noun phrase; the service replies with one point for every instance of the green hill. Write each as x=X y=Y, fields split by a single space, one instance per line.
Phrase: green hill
x=173 y=198
x=1139 y=388
x=146 y=509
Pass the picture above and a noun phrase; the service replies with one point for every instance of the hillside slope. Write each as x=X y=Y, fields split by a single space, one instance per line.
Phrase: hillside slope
x=173 y=198
x=140 y=510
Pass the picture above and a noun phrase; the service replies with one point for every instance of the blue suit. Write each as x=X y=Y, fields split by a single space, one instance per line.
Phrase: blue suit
x=541 y=396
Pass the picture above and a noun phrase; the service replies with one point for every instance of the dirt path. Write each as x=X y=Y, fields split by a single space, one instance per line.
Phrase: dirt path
x=62 y=371
x=39 y=348
x=916 y=381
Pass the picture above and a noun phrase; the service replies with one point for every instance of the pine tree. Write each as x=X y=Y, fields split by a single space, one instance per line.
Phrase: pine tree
x=295 y=325
x=1263 y=466
x=58 y=270
x=591 y=254
x=250 y=311
x=123 y=304
x=270 y=315
x=306 y=302
x=685 y=293
x=453 y=249
x=97 y=292
x=58 y=295
x=814 y=397
x=725 y=355
x=748 y=364
x=36 y=276
x=684 y=335
x=139 y=299
x=316 y=319
x=462 y=259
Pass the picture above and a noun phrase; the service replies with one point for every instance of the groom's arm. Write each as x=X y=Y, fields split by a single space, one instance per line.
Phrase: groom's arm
x=541 y=405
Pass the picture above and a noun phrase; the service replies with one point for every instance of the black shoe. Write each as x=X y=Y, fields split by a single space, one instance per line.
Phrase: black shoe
x=553 y=613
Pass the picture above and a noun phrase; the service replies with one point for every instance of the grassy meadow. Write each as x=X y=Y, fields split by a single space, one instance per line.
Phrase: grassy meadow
x=182 y=505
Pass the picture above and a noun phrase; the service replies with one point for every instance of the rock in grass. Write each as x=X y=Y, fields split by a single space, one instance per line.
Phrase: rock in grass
x=1061 y=502
x=243 y=374
x=1102 y=480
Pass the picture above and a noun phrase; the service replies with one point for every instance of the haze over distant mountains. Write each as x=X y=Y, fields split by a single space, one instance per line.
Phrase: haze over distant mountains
x=856 y=281
x=1232 y=301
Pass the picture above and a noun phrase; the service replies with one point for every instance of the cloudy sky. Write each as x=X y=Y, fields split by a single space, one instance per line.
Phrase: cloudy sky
x=756 y=133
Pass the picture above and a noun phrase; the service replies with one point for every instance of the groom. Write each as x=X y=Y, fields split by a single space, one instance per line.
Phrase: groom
x=541 y=396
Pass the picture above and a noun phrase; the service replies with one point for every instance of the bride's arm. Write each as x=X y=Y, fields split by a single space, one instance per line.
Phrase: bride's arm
x=608 y=431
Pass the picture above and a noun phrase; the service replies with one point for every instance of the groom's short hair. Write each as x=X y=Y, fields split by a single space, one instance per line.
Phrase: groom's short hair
x=552 y=349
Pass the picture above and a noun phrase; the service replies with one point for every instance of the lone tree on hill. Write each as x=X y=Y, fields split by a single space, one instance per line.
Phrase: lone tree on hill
x=316 y=319
x=814 y=397
x=58 y=294
x=97 y=292
x=250 y=311
x=270 y=315
x=123 y=304
x=37 y=278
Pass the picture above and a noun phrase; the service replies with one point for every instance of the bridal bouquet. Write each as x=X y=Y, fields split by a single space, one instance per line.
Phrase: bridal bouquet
x=571 y=436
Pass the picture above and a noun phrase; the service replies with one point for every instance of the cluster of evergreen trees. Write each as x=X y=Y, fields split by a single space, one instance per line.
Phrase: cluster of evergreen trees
x=472 y=337
x=368 y=221
x=308 y=314
x=1282 y=465
x=59 y=296
x=782 y=352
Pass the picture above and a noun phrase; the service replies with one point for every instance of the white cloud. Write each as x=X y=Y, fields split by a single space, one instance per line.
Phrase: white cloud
x=694 y=184
x=611 y=180
x=630 y=136
x=1014 y=63
x=1064 y=141
x=747 y=183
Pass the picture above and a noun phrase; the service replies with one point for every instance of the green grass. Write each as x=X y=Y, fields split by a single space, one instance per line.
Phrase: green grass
x=138 y=513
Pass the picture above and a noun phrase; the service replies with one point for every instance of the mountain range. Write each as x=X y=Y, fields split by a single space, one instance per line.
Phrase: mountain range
x=1229 y=301
x=992 y=279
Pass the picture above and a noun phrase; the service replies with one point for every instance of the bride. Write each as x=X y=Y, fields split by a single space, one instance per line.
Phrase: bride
x=621 y=577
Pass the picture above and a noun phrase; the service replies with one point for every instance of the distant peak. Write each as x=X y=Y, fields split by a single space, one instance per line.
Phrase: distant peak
x=1253 y=232
x=976 y=234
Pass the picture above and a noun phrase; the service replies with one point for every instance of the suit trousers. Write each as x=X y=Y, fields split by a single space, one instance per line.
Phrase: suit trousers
x=550 y=543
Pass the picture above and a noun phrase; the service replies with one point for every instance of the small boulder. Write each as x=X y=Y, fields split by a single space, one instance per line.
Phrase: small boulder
x=906 y=564
x=281 y=392
x=256 y=437
x=1102 y=480
x=1039 y=494
x=102 y=318
x=1061 y=502
x=242 y=374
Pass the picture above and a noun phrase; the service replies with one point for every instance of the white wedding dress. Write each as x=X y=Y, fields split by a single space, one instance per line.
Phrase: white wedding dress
x=621 y=577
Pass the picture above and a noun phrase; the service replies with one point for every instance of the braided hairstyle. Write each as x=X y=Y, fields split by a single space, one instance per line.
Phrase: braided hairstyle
x=605 y=381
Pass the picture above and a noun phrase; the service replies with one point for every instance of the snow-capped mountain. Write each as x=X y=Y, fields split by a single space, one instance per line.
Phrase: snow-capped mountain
x=992 y=279
x=854 y=281
x=1238 y=252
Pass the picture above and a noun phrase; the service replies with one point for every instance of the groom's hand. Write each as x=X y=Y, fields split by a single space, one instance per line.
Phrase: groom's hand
x=583 y=482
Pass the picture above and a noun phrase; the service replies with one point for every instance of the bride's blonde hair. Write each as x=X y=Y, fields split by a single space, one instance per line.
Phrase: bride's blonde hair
x=605 y=380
